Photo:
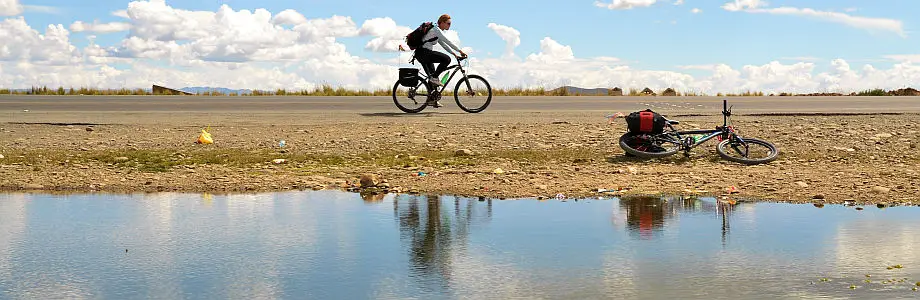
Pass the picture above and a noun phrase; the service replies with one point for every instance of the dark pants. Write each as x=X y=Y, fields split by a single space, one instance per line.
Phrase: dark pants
x=429 y=57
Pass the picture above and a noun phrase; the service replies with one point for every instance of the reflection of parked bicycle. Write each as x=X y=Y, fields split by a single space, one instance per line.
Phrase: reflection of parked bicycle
x=418 y=94
x=731 y=147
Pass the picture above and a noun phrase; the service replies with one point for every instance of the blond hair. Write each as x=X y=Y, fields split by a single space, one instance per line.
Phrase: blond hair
x=443 y=18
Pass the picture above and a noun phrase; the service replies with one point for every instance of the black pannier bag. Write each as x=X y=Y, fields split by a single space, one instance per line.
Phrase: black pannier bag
x=408 y=77
x=645 y=121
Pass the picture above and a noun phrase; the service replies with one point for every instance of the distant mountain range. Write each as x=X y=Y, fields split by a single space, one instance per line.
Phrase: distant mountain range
x=205 y=89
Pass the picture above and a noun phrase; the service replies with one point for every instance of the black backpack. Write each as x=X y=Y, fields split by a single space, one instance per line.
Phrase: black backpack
x=414 y=38
x=645 y=121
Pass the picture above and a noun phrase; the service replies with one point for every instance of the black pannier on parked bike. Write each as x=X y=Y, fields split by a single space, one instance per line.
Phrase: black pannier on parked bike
x=645 y=121
x=408 y=77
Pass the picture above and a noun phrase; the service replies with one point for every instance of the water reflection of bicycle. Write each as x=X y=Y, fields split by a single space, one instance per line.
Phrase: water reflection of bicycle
x=646 y=217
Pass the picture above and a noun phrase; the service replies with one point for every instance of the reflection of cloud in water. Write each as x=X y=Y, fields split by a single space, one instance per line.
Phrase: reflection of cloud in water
x=619 y=275
x=873 y=243
x=30 y=283
x=61 y=287
x=12 y=223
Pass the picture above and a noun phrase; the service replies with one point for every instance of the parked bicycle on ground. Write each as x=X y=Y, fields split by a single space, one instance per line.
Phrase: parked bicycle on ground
x=413 y=92
x=651 y=135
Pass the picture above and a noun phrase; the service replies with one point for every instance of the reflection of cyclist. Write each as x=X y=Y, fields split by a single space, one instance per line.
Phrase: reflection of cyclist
x=428 y=57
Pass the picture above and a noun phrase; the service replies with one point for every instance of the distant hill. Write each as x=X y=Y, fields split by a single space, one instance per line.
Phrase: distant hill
x=205 y=89
x=571 y=90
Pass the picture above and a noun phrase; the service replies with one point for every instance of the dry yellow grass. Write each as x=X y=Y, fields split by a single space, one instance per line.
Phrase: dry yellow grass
x=328 y=90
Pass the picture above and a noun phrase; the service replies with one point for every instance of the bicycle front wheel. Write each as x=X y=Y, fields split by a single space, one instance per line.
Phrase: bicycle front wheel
x=410 y=99
x=473 y=94
x=649 y=146
x=749 y=151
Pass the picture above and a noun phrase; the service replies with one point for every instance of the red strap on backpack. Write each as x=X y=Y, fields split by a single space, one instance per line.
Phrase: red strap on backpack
x=646 y=121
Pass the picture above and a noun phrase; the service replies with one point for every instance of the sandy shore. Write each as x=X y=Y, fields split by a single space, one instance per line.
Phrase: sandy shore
x=866 y=159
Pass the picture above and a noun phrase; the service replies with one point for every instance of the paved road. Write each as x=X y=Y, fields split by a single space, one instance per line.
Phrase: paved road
x=365 y=105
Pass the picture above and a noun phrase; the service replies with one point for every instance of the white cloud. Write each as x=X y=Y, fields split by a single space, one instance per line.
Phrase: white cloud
x=121 y=13
x=79 y=26
x=10 y=8
x=625 y=4
x=696 y=10
x=511 y=36
x=289 y=17
x=679 y=2
x=387 y=35
x=756 y=6
x=160 y=31
x=22 y=43
x=737 y=5
x=915 y=58
x=551 y=52
x=255 y=49
x=42 y=9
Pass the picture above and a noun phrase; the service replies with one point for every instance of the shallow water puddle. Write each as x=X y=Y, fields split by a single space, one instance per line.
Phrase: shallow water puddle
x=340 y=245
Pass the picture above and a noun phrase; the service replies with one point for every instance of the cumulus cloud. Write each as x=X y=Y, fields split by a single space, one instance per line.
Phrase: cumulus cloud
x=79 y=26
x=905 y=57
x=121 y=13
x=757 y=6
x=22 y=43
x=511 y=36
x=387 y=35
x=625 y=4
x=696 y=10
x=10 y=8
x=289 y=17
x=679 y=2
x=259 y=50
x=738 y=5
x=552 y=52
x=159 y=31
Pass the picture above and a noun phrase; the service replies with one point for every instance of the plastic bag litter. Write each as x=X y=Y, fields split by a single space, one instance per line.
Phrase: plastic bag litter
x=612 y=117
x=205 y=137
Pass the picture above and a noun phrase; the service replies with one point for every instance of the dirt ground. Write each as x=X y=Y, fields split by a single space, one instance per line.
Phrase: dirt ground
x=858 y=159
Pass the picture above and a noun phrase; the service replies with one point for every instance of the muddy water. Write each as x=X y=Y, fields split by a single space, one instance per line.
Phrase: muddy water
x=336 y=245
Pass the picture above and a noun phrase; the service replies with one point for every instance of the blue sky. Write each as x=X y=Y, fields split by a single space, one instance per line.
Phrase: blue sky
x=661 y=37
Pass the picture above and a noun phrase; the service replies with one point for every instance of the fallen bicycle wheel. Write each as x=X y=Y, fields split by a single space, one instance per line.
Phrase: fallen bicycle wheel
x=749 y=151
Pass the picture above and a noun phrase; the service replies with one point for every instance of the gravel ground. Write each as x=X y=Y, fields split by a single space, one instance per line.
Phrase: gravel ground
x=860 y=159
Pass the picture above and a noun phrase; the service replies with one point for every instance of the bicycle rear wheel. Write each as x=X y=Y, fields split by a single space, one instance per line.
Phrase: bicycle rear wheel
x=475 y=92
x=749 y=151
x=649 y=146
x=411 y=99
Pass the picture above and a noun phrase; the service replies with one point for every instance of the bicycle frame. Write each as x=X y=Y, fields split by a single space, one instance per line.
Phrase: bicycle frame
x=456 y=68
x=725 y=132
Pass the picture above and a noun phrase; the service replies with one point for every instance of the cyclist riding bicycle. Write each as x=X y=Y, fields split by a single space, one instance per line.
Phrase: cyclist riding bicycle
x=428 y=57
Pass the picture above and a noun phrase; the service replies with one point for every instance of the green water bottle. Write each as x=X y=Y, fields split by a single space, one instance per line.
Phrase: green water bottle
x=444 y=79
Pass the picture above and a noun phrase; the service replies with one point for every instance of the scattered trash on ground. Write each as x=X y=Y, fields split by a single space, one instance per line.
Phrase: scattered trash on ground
x=732 y=190
x=279 y=161
x=611 y=118
x=205 y=137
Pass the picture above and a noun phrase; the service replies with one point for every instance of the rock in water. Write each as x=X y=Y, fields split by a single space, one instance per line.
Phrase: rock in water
x=369 y=180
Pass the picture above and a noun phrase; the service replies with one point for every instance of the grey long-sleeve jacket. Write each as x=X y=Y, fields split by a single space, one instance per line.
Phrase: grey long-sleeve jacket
x=442 y=40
